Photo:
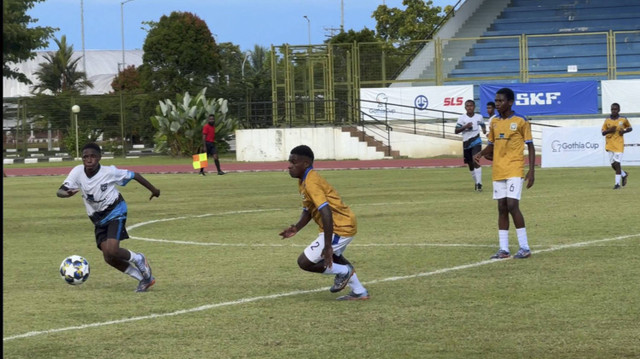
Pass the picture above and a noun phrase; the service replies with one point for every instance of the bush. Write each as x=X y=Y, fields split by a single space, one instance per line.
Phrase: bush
x=179 y=127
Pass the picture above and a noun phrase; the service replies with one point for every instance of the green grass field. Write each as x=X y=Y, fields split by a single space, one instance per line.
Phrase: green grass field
x=229 y=287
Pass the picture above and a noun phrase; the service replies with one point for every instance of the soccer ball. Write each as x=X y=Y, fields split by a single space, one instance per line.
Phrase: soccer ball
x=74 y=270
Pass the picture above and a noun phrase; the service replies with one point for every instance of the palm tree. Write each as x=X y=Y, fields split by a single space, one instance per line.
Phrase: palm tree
x=59 y=74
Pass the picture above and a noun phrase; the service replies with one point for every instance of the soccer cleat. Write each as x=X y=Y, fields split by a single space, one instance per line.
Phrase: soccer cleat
x=624 y=180
x=220 y=173
x=522 y=254
x=145 y=284
x=354 y=296
x=202 y=172
x=341 y=280
x=144 y=267
x=501 y=255
x=479 y=187
x=617 y=186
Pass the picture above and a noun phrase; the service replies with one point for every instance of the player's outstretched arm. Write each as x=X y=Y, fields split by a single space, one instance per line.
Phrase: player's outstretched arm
x=291 y=231
x=64 y=192
x=488 y=150
x=143 y=181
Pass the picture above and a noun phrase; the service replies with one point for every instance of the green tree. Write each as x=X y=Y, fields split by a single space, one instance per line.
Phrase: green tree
x=346 y=37
x=180 y=54
x=179 y=126
x=19 y=41
x=416 y=22
x=59 y=73
x=257 y=75
x=127 y=80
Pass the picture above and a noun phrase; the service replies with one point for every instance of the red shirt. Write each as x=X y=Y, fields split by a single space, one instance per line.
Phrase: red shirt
x=209 y=132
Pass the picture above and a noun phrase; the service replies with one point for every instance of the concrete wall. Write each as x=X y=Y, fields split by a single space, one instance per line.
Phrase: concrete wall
x=330 y=143
x=326 y=143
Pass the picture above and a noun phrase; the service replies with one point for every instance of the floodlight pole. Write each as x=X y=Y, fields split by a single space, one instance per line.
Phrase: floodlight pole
x=84 y=54
x=308 y=28
x=76 y=109
x=122 y=28
x=121 y=77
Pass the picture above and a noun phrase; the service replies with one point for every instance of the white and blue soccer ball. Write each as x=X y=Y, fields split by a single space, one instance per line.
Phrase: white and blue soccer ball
x=74 y=270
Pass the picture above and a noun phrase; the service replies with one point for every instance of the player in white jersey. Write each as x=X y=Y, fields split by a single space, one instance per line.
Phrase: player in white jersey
x=107 y=210
x=469 y=124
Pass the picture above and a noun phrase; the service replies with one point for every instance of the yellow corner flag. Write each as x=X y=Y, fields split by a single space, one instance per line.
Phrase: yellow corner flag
x=200 y=161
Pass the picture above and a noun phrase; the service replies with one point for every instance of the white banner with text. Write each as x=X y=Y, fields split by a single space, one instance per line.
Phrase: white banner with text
x=584 y=147
x=420 y=102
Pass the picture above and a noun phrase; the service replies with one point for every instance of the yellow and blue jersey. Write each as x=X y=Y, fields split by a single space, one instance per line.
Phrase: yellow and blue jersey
x=614 y=142
x=508 y=137
x=317 y=193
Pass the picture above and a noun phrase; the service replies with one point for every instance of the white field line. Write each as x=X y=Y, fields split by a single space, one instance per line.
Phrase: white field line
x=216 y=244
x=160 y=240
x=298 y=292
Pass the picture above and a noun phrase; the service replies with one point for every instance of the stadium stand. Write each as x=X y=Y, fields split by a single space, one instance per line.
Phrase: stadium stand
x=561 y=34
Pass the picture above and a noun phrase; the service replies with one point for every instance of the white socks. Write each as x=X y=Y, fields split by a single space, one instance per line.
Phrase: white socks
x=336 y=269
x=135 y=257
x=133 y=272
x=522 y=238
x=503 y=237
x=354 y=282
x=618 y=177
x=478 y=175
x=355 y=285
x=473 y=175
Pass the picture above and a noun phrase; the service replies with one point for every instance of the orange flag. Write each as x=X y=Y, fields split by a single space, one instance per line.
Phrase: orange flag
x=200 y=161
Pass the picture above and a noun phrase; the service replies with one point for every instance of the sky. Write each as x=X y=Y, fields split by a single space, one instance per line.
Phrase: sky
x=242 y=22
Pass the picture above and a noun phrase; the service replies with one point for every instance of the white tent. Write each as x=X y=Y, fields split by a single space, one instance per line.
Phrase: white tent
x=102 y=67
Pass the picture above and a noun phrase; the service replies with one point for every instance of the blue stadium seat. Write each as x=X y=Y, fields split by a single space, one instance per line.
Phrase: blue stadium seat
x=551 y=55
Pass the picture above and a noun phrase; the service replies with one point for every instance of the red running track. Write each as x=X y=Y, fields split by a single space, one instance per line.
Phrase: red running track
x=260 y=166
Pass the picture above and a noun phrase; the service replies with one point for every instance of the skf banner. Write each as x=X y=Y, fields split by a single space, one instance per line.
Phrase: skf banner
x=408 y=103
x=623 y=92
x=549 y=98
x=584 y=147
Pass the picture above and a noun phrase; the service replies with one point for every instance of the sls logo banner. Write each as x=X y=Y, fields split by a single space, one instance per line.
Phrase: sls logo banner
x=550 y=98
x=415 y=102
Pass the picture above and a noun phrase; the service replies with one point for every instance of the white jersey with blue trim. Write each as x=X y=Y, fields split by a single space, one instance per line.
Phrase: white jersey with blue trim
x=99 y=191
x=476 y=120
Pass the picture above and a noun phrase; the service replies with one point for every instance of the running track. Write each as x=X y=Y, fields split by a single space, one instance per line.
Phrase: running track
x=259 y=166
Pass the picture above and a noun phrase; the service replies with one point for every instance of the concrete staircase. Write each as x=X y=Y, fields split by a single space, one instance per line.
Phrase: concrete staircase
x=371 y=142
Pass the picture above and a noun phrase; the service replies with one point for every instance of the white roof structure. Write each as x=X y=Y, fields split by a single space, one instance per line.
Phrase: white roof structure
x=102 y=67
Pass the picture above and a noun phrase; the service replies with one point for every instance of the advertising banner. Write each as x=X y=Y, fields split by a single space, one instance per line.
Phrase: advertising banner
x=419 y=102
x=623 y=92
x=550 y=98
x=584 y=147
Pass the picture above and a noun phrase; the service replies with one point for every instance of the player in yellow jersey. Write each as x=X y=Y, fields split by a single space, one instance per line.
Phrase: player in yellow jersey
x=614 y=129
x=336 y=222
x=507 y=137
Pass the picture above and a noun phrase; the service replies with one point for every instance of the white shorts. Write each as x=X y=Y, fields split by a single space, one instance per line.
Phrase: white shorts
x=509 y=188
x=314 y=251
x=615 y=157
